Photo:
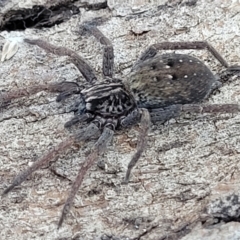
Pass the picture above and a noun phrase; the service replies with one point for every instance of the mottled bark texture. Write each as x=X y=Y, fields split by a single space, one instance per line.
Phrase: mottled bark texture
x=188 y=176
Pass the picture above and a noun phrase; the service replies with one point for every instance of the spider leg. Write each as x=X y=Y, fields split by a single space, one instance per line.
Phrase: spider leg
x=78 y=61
x=83 y=135
x=108 y=54
x=131 y=118
x=78 y=118
x=142 y=140
x=198 y=45
x=98 y=148
x=164 y=114
x=211 y=108
x=36 y=165
x=66 y=89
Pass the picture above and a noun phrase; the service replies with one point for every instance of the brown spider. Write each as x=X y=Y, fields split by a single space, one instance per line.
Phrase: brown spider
x=159 y=87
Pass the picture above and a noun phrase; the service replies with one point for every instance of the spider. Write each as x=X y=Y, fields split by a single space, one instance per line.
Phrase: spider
x=159 y=87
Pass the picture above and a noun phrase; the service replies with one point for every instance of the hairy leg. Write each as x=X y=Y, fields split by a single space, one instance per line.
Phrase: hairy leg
x=99 y=147
x=142 y=140
x=161 y=115
x=83 y=135
x=131 y=118
x=108 y=54
x=66 y=89
x=42 y=161
x=164 y=114
x=77 y=119
x=211 y=108
x=153 y=49
x=78 y=61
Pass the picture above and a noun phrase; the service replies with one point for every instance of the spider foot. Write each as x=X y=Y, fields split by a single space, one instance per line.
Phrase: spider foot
x=99 y=147
x=36 y=165
x=141 y=143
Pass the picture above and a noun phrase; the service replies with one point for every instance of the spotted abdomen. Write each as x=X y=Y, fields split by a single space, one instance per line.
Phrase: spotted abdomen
x=170 y=79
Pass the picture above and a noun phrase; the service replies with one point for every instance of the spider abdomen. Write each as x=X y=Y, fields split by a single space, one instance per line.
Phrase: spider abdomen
x=170 y=79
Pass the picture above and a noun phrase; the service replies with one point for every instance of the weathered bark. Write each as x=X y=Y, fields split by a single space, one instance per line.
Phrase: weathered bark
x=187 y=161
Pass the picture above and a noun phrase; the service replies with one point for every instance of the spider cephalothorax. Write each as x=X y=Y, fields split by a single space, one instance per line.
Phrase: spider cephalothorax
x=158 y=88
x=108 y=103
x=110 y=100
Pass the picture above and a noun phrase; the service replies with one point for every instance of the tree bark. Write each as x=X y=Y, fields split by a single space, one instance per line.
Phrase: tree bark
x=190 y=163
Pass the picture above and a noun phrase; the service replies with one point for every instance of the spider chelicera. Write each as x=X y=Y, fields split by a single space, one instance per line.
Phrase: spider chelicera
x=158 y=88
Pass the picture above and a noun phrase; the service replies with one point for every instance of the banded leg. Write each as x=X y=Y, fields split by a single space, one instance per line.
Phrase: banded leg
x=153 y=49
x=78 y=61
x=164 y=114
x=99 y=147
x=141 y=143
x=108 y=54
